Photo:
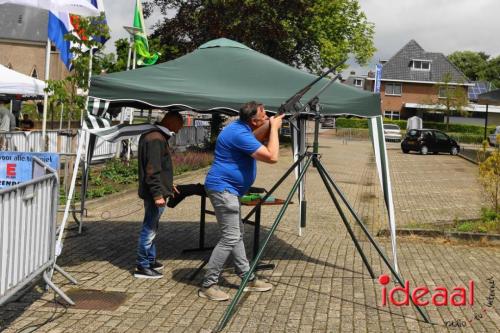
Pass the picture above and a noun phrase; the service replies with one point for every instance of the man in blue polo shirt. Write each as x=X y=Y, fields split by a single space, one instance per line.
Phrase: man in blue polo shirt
x=231 y=175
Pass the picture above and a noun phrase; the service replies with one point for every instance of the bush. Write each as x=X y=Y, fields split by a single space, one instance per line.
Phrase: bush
x=190 y=160
x=472 y=130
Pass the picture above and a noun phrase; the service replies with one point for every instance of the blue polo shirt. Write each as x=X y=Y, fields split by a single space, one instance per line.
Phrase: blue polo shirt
x=233 y=168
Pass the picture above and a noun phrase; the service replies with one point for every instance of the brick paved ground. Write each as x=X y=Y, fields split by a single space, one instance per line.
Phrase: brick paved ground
x=320 y=282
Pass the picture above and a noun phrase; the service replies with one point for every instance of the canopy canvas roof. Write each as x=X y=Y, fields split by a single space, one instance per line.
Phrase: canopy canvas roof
x=14 y=83
x=491 y=98
x=223 y=74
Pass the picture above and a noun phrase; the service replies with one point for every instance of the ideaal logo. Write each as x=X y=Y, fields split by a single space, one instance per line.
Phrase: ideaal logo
x=440 y=296
x=11 y=170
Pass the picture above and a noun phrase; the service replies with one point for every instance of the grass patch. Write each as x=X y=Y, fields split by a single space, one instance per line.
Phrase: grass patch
x=489 y=223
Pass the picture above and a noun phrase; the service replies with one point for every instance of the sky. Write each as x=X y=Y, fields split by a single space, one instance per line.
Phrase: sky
x=437 y=25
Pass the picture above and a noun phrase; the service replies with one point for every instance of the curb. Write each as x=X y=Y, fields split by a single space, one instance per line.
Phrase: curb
x=452 y=235
x=468 y=159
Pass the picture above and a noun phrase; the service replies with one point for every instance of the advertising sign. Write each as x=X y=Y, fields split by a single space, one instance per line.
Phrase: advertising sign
x=17 y=167
x=378 y=77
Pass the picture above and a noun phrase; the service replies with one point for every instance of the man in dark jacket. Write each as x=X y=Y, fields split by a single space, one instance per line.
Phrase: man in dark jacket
x=155 y=185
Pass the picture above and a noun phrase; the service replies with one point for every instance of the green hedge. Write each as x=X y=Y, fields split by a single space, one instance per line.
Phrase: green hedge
x=453 y=128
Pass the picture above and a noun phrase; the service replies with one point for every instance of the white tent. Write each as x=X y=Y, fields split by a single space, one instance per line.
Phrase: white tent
x=14 y=83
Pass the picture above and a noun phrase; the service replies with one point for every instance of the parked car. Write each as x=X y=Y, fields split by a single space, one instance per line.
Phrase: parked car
x=392 y=132
x=429 y=141
x=492 y=138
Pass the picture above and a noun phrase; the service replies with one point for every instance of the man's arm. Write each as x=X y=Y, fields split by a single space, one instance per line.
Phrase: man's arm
x=154 y=152
x=270 y=153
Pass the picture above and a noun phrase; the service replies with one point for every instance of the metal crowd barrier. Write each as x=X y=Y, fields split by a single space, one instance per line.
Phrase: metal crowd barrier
x=58 y=142
x=62 y=142
x=28 y=214
x=191 y=136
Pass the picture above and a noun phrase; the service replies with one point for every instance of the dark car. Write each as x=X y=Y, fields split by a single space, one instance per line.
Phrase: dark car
x=429 y=141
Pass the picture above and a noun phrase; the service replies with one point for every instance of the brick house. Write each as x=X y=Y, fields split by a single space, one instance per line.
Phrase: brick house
x=23 y=40
x=409 y=84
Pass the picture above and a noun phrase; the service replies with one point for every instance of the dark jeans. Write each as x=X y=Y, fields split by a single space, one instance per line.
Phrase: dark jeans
x=146 y=251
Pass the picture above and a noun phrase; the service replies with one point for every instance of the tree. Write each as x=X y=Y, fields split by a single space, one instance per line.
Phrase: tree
x=492 y=72
x=477 y=66
x=305 y=34
x=452 y=98
x=472 y=64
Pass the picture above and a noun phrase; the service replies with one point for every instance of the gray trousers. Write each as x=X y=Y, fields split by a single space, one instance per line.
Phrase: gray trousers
x=228 y=213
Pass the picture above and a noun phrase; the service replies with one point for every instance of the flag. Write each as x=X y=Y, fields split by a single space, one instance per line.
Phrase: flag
x=80 y=7
x=59 y=21
x=80 y=33
x=140 y=39
x=60 y=25
x=100 y=6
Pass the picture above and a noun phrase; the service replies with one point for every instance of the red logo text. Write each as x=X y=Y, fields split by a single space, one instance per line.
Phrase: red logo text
x=439 y=296
x=11 y=170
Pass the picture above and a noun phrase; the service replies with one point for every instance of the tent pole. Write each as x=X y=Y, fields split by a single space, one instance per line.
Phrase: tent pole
x=129 y=53
x=130 y=121
x=135 y=58
x=59 y=244
x=486 y=123
x=45 y=94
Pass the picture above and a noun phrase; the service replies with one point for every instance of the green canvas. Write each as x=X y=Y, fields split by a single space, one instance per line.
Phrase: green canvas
x=223 y=74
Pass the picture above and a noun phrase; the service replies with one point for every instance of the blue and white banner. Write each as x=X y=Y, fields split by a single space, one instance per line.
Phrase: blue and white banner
x=17 y=167
x=378 y=77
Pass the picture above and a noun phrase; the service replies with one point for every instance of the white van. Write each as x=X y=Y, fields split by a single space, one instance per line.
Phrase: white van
x=492 y=138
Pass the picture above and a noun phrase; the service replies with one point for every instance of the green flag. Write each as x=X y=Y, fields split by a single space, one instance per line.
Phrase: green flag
x=141 y=40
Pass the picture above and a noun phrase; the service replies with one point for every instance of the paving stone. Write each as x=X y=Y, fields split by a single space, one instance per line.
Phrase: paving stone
x=320 y=282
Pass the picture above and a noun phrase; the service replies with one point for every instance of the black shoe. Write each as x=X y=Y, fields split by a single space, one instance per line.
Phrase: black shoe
x=157 y=266
x=147 y=273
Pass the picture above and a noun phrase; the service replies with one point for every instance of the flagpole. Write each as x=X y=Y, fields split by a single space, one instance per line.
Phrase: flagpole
x=135 y=58
x=45 y=95
x=129 y=53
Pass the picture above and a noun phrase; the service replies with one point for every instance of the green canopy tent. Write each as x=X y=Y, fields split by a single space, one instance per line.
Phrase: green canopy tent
x=223 y=74
x=220 y=76
x=489 y=98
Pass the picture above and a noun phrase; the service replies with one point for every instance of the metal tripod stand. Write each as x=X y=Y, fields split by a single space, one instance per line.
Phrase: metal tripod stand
x=313 y=158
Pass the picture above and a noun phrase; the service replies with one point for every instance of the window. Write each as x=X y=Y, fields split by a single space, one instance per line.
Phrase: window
x=34 y=73
x=391 y=114
x=421 y=65
x=447 y=92
x=358 y=82
x=393 y=89
x=441 y=136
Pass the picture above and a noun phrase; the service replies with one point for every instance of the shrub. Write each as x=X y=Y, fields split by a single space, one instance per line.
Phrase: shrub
x=453 y=128
x=190 y=160
x=489 y=177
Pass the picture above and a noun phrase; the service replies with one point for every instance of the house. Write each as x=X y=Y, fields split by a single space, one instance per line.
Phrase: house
x=410 y=83
x=23 y=41
x=357 y=81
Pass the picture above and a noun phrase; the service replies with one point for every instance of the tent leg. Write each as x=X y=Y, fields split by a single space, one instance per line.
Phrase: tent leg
x=329 y=182
x=59 y=244
x=275 y=186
